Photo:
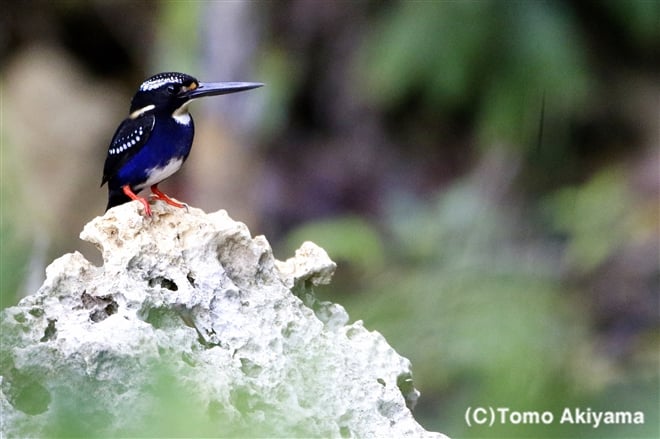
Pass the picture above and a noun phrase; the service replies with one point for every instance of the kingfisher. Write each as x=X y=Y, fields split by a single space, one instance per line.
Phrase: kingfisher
x=154 y=141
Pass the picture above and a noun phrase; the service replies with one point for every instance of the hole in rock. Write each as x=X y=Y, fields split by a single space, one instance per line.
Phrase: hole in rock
x=161 y=317
x=405 y=384
x=36 y=312
x=191 y=279
x=111 y=308
x=163 y=282
x=50 y=332
x=102 y=306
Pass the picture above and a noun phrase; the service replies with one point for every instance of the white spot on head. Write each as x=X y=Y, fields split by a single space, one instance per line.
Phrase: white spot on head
x=161 y=79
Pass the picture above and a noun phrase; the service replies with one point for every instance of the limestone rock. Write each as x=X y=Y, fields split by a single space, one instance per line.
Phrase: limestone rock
x=192 y=328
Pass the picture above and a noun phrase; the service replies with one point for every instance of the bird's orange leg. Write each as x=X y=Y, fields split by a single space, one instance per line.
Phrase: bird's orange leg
x=129 y=193
x=161 y=196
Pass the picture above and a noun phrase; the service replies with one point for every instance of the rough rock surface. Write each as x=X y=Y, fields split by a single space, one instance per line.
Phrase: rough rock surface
x=192 y=328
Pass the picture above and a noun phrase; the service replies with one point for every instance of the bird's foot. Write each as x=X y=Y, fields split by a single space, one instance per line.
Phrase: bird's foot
x=129 y=193
x=161 y=196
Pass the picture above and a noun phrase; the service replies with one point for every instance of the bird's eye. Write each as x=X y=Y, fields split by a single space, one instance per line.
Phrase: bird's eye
x=171 y=89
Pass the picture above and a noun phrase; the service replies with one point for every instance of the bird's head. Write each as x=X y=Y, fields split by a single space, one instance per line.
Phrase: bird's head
x=171 y=92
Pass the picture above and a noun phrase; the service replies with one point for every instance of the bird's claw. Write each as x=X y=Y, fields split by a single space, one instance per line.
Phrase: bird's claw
x=158 y=195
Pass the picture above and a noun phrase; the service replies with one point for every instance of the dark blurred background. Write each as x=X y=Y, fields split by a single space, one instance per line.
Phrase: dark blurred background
x=486 y=174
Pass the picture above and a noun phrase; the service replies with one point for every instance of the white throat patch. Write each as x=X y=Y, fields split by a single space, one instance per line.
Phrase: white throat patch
x=183 y=119
x=181 y=115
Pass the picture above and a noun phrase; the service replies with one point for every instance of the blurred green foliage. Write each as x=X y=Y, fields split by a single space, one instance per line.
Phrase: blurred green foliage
x=594 y=216
x=359 y=244
x=14 y=245
x=639 y=19
x=470 y=282
x=469 y=293
x=13 y=262
x=284 y=72
x=489 y=298
x=177 y=44
x=500 y=58
x=71 y=405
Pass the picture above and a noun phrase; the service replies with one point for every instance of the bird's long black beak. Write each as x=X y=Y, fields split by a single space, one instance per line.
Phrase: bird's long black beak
x=220 y=88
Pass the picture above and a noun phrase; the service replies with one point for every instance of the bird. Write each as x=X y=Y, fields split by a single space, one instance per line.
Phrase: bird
x=155 y=139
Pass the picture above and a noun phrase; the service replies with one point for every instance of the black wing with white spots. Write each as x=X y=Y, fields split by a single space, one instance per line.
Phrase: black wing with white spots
x=129 y=138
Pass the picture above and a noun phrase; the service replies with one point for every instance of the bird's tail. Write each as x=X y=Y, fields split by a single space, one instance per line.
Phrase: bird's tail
x=115 y=198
